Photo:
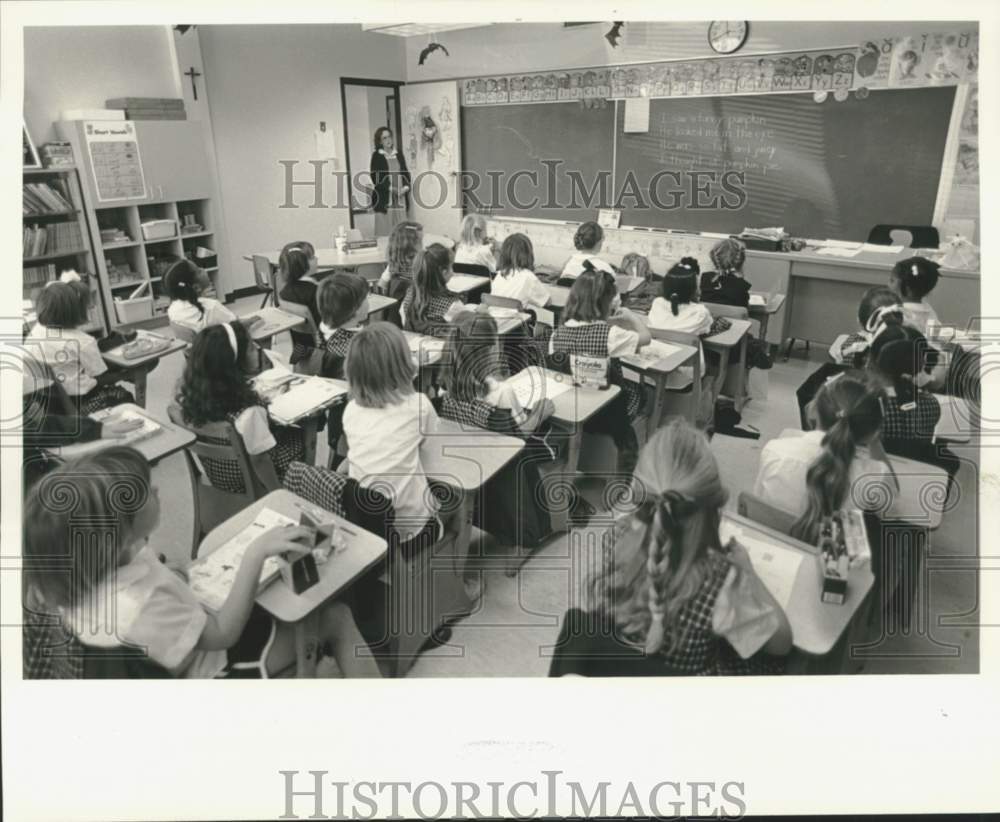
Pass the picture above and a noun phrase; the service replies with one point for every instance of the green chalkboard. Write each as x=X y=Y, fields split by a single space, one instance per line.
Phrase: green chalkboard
x=511 y=139
x=831 y=169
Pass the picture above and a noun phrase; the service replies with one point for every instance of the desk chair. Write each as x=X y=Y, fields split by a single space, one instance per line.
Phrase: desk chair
x=471 y=268
x=225 y=479
x=908 y=236
x=310 y=365
x=689 y=388
x=183 y=333
x=263 y=274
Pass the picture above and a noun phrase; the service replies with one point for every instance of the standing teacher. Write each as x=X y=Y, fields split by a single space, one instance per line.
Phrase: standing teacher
x=391 y=179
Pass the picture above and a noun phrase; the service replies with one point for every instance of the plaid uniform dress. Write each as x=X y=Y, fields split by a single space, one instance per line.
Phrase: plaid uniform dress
x=508 y=506
x=701 y=652
x=225 y=474
x=915 y=424
x=335 y=352
x=101 y=397
x=854 y=350
x=433 y=322
x=592 y=340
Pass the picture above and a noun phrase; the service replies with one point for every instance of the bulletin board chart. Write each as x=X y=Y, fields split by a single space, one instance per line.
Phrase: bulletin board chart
x=114 y=158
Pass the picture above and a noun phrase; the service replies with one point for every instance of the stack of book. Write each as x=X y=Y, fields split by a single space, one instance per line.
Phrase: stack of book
x=43 y=198
x=52 y=239
x=113 y=235
x=149 y=108
x=57 y=155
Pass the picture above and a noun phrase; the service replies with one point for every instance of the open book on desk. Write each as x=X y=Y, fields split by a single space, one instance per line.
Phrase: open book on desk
x=532 y=385
x=304 y=397
x=149 y=428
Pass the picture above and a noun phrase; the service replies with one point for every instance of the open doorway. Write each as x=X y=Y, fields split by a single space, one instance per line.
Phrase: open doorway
x=367 y=106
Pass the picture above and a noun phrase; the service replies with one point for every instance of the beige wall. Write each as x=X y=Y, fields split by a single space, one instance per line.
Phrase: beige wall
x=513 y=47
x=82 y=66
x=270 y=86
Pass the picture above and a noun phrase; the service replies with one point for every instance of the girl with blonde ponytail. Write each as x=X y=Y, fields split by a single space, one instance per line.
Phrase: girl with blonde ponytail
x=671 y=599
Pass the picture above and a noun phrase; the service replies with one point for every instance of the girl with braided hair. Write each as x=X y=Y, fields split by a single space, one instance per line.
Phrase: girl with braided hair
x=671 y=599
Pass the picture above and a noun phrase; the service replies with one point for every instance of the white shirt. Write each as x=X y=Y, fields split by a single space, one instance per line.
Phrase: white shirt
x=574 y=265
x=621 y=341
x=520 y=284
x=72 y=355
x=476 y=255
x=921 y=316
x=692 y=318
x=784 y=462
x=252 y=425
x=154 y=609
x=184 y=313
x=383 y=450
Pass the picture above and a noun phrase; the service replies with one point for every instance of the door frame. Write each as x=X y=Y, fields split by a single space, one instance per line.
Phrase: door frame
x=360 y=81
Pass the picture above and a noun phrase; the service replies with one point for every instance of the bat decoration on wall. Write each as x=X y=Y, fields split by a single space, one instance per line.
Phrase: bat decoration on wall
x=615 y=32
x=428 y=49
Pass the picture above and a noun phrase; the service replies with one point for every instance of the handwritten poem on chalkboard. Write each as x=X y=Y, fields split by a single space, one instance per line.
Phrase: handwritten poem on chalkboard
x=114 y=157
x=705 y=142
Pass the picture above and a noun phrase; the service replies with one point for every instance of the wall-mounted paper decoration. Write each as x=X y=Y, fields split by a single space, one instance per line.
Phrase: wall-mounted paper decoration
x=913 y=60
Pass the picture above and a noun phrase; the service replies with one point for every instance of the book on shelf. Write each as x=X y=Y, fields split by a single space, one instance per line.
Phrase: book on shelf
x=42 y=198
x=51 y=239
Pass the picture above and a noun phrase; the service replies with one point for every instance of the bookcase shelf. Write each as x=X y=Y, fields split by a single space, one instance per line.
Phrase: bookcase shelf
x=65 y=181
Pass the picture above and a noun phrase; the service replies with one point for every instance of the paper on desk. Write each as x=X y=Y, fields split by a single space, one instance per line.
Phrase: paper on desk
x=840 y=244
x=656 y=350
x=212 y=577
x=839 y=251
x=425 y=349
x=758 y=300
x=882 y=249
x=776 y=565
x=532 y=385
x=301 y=400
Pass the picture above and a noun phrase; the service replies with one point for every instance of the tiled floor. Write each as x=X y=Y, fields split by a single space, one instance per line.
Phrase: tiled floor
x=518 y=617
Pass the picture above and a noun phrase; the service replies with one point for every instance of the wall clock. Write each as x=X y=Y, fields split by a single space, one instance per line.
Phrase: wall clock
x=728 y=36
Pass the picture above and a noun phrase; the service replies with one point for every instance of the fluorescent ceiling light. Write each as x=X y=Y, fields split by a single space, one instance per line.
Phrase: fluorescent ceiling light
x=413 y=29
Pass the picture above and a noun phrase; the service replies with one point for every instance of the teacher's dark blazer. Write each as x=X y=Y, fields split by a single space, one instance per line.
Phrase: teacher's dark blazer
x=380 y=179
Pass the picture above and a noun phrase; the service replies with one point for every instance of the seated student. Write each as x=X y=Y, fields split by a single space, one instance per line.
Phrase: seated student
x=678 y=309
x=595 y=325
x=913 y=279
x=475 y=395
x=71 y=353
x=726 y=285
x=217 y=387
x=183 y=283
x=671 y=599
x=299 y=269
x=153 y=606
x=405 y=244
x=474 y=247
x=515 y=273
x=588 y=240
x=429 y=306
x=343 y=304
x=813 y=474
x=876 y=304
x=385 y=422
x=902 y=359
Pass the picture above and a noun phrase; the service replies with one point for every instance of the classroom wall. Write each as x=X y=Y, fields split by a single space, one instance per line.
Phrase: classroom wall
x=514 y=47
x=82 y=66
x=270 y=86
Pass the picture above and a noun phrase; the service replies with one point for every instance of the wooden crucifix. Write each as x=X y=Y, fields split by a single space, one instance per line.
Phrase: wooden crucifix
x=194 y=83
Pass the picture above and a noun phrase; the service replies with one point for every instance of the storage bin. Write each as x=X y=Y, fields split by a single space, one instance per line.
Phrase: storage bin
x=132 y=311
x=159 y=229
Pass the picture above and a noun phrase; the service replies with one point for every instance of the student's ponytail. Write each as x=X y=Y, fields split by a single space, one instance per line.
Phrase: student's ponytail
x=849 y=411
x=681 y=283
x=179 y=283
x=899 y=353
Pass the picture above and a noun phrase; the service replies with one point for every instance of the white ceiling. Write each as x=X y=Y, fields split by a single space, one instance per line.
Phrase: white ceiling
x=413 y=29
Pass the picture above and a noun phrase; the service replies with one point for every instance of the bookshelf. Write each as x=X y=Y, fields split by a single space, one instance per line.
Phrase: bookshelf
x=178 y=191
x=57 y=237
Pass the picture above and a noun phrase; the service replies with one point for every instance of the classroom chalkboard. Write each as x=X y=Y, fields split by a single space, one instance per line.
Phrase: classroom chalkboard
x=822 y=170
x=511 y=139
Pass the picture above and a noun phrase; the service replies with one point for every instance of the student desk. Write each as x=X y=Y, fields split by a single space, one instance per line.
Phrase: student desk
x=823 y=291
x=763 y=313
x=138 y=368
x=168 y=440
x=273 y=321
x=466 y=284
x=558 y=295
x=658 y=370
x=377 y=303
x=363 y=550
x=817 y=626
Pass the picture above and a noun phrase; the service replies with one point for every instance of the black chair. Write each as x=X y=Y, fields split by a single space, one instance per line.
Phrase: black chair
x=921 y=236
x=471 y=268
